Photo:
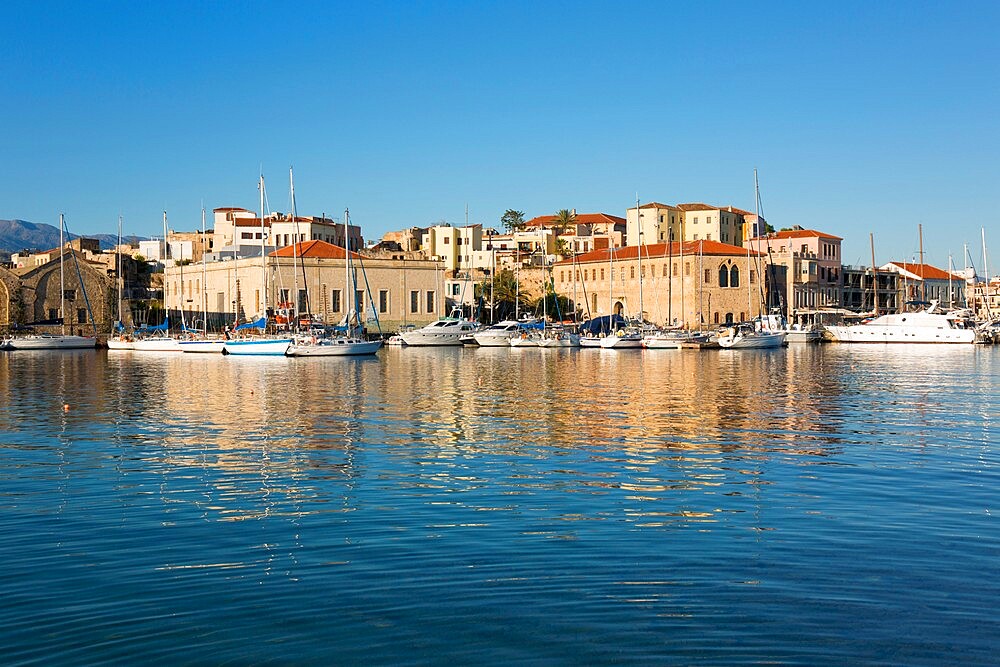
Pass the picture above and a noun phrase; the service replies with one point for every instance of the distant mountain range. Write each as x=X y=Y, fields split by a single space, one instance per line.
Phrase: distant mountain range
x=16 y=235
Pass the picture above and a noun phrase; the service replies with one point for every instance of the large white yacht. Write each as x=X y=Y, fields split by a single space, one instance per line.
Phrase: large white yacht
x=445 y=331
x=925 y=326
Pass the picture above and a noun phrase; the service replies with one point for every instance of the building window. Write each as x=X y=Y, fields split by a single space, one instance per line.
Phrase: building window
x=359 y=303
x=675 y=268
x=602 y=274
x=708 y=276
x=631 y=272
x=734 y=280
x=723 y=276
x=81 y=315
x=335 y=301
x=696 y=220
x=708 y=237
x=383 y=301
x=753 y=277
x=430 y=301
x=283 y=299
x=664 y=269
x=70 y=294
x=303 y=305
x=447 y=240
x=687 y=268
x=414 y=301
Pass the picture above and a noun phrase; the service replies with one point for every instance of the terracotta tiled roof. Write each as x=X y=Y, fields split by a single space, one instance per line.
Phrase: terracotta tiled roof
x=925 y=271
x=654 y=204
x=698 y=206
x=660 y=250
x=740 y=211
x=230 y=208
x=250 y=222
x=581 y=219
x=313 y=249
x=802 y=234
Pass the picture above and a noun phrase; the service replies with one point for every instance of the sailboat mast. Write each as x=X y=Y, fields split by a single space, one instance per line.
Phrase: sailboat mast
x=348 y=288
x=871 y=238
x=638 y=220
x=118 y=268
x=62 y=278
x=746 y=241
x=204 y=274
x=166 y=251
x=923 y=278
x=263 y=259
x=951 y=293
x=295 y=254
x=986 y=275
x=681 y=261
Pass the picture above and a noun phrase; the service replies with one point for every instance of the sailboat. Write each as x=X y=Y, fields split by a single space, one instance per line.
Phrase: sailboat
x=349 y=344
x=630 y=338
x=258 y=345
x=755 y=334
x=204 y=343
x=119 y=340
x=62 y=341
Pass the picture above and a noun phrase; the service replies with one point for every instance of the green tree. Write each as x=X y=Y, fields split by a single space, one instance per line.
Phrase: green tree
x=512 y=220
x=564 y=220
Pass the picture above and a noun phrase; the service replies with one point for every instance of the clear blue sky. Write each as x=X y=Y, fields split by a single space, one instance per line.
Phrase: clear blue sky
x=861 y=117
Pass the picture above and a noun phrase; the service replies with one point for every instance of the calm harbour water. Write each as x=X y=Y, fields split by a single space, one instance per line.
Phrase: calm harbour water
x=815 y=505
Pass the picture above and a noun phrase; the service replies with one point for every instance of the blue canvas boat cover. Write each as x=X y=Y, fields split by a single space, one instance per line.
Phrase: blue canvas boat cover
x=259 y=324
x=603 y=324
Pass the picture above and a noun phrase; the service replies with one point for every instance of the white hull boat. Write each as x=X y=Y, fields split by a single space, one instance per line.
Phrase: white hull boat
x=560 y=340
x=926 y=326
x=743 y=339
x=445 y=331
x=51 y=342
x=524 y=340
x=156 y=344
x=120 y=343
x=673 y=340
x=203 y=346
x=334 y=347
x=498 y=335
x=622 y=342
x=257 y=347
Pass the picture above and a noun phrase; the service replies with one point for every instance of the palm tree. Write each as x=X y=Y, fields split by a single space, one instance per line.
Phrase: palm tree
x=564 y=220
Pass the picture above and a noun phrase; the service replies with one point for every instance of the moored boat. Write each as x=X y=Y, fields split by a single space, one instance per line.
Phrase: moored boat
x=925 y=326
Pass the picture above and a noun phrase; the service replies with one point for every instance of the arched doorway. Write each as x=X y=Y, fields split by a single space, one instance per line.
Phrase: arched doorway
x=619 y=308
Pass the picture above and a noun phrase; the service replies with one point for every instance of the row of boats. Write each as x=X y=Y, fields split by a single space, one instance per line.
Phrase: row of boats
x=929 y=325
x=315 y=343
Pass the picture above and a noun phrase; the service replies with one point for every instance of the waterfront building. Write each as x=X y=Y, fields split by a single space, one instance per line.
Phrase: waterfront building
x=923 y=282
x=812 y=264
x=404 y=291
x=704 y=222
x=591 y=231
x=856 y=290
x=30 y=293
x=455 y=247
x=653 y=223
x=695 y=283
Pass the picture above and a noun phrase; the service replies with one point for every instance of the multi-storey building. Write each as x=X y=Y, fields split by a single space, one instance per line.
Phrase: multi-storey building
x=923 y=282
x=703 y=222
x=695 y=283
x=812 y=263
x=455 y=247
x=858 y=290
x=653 y=223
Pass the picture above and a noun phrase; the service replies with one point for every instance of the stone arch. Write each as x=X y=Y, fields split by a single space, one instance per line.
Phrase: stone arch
x=734 y=276
x=723 y=276
x=619 y=308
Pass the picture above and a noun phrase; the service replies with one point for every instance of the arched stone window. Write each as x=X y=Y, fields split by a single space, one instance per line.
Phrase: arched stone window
x=723 y=276
x=734 y=276
x=729 y=318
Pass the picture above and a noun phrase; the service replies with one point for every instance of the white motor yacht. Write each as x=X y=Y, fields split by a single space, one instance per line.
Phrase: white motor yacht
x=445 y=331
x=925 y=326
x=498 y=335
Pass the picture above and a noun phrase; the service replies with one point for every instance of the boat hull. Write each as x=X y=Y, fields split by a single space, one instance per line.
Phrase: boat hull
x=120 y=343
x=203 y=346
x=44 y=342
x=756 y=341
x=621 y=342
x=258 y=348
x=865 y=333
x=156 y=345
x=336 y=348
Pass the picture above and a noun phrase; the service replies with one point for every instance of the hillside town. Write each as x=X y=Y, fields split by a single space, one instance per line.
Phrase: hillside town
x=687 y=265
